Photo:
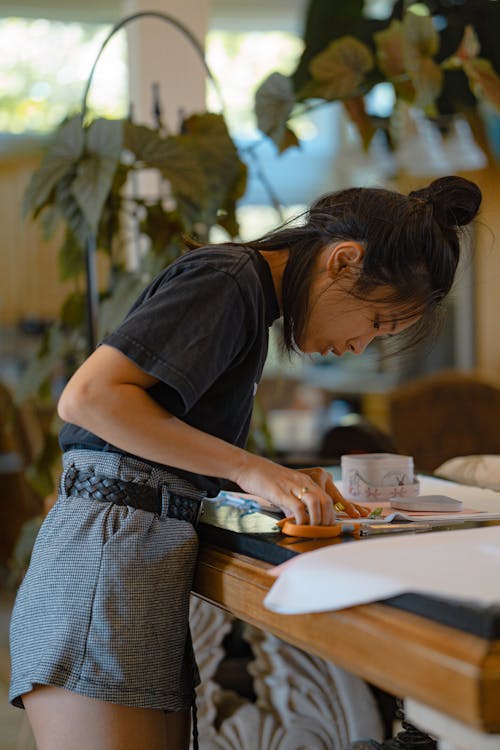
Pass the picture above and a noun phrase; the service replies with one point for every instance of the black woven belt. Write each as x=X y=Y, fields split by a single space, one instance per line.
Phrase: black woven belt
x=113 y=490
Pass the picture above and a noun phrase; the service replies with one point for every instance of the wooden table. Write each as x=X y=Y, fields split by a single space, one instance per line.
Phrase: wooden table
x=450 y=678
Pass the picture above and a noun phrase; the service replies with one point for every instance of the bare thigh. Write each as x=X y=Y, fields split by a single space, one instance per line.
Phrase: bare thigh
x=63 y=720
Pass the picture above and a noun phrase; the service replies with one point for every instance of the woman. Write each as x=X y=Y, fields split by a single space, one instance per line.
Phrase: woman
x=158 y=417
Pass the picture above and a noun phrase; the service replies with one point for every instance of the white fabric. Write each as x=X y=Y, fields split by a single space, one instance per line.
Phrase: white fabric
x=480 y=470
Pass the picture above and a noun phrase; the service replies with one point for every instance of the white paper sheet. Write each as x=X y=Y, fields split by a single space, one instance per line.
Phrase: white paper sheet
x=461 y=564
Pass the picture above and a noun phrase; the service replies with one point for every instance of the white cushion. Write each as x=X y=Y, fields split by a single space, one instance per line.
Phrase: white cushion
x=479 y=470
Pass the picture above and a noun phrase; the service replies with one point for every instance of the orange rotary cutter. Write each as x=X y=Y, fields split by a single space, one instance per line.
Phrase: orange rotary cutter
x=308 y=531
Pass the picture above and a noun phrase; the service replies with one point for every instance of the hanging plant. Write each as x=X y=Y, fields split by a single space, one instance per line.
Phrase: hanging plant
x=409 y=53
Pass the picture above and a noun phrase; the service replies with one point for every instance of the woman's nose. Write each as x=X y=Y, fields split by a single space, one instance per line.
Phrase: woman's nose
x=359 y=344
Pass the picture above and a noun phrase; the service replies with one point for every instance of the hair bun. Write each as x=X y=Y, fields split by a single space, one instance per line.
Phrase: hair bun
x=455 y=200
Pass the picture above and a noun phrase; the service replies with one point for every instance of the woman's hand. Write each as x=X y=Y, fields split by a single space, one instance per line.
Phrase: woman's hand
x=309 y=495
x=324 y=479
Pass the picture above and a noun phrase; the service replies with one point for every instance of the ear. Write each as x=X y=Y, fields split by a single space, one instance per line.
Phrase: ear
x=344 y=255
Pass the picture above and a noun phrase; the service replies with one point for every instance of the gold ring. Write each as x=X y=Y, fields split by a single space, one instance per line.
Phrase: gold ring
x=302 y=492
x=339 y=507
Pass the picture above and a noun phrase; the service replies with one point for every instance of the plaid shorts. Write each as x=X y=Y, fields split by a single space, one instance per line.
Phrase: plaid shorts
x=104 y=607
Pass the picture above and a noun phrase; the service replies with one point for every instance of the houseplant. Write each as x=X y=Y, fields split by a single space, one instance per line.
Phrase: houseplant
x=88 y=182
x=439 y=57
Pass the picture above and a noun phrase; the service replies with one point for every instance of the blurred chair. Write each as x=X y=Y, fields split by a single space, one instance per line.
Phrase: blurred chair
x=445 y=414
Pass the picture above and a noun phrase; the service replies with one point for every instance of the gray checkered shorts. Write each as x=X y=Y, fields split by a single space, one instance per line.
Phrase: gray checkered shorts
x=103 y=609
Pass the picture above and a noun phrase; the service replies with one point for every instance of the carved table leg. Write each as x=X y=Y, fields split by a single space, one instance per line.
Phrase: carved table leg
x=302 y=701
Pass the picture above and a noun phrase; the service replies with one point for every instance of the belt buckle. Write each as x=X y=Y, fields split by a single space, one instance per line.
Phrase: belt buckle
x=194 y=513
x=199 y=513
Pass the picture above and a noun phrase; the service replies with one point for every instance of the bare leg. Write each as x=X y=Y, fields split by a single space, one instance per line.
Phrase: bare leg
x=178 y=730
x=63 y=720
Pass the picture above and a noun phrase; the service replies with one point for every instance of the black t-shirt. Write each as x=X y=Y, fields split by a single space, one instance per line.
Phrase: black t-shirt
x=201 y=328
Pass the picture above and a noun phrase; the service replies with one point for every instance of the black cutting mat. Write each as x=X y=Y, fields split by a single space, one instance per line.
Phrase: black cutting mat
x=257 y=536
x=253 y=534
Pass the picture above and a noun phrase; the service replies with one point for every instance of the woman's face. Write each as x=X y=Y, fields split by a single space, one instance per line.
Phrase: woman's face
x=337 y=321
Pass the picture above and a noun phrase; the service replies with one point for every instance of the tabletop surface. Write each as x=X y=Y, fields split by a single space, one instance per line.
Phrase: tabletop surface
x=257 y=536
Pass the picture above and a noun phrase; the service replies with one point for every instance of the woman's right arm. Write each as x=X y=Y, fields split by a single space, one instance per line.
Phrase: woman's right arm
x=108 y=396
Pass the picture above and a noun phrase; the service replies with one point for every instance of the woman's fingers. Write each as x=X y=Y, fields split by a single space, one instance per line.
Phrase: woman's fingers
x=344 y=506
x=336 y=502
x=307 y=503
x=353 y=510
x=340 y=504
x=317 y=506
x=320 y=507
x=324 y=512
x=324 y=491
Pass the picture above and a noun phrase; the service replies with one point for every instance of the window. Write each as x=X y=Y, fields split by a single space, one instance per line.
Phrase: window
x=44 y=66
x=240 y=61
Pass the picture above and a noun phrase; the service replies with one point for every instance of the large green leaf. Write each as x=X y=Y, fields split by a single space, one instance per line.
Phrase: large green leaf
x=105 y=138
x=274 y=102
x=390 y=59
x=469 y=46
x=420 y=44
x=96 y=170
x=65 y=150
x=176 y=163
x=427 y=77
x=481 y=74
x=206 y=137
x=145 y=143
x=420 y=34
x=340 y=69
x=181 y=169
x=73 y=312
x=356 y=110
x=50 y=217
x=389 y=44
x=90 y=187
x=71 y=258
x=112 y=216
x=326 y=21
x=71 y=210
x=161 y=226
x=484 y=81
x=226 y=217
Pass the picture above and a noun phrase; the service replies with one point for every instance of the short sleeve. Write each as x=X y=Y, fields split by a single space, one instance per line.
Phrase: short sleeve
x=187 y=330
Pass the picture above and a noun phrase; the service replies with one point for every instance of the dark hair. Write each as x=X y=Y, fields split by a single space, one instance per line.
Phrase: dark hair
x=411 y=247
